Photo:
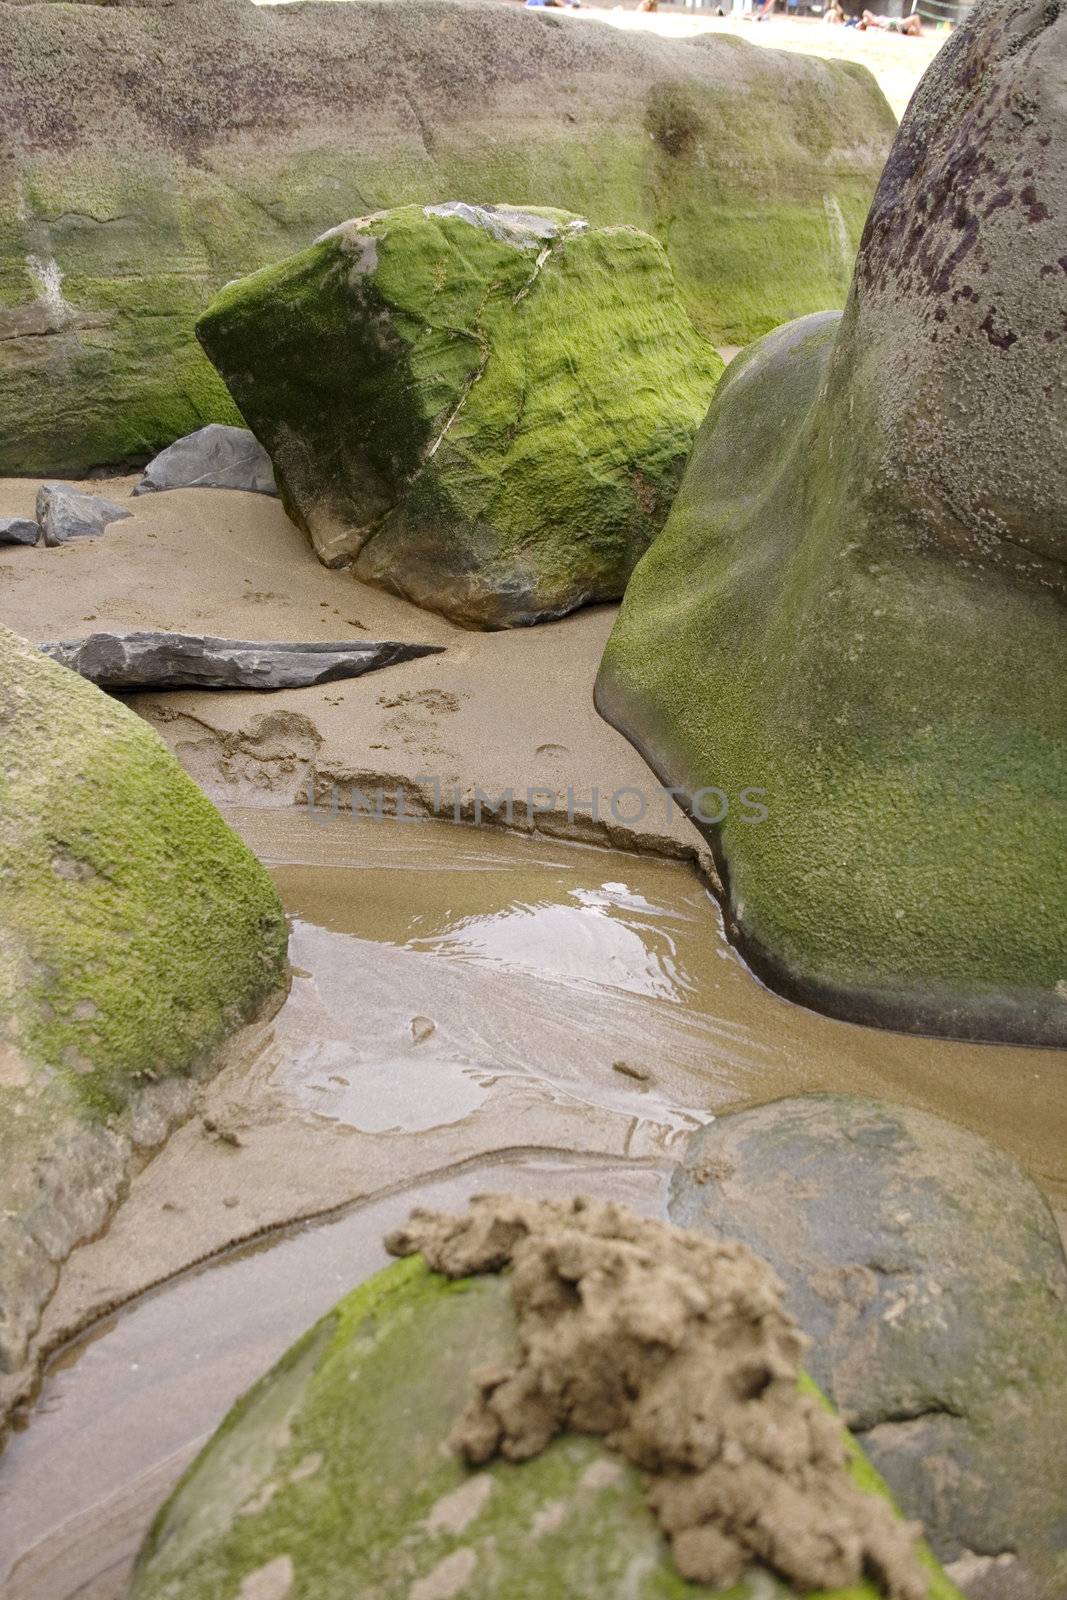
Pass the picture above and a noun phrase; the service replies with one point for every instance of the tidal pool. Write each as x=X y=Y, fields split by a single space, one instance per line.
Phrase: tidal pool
x=459 y=996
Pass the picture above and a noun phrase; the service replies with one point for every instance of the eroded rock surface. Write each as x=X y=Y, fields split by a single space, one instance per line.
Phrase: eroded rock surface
x=929 y=1273
x=484 y=409
x=131 y=661
x=153 y=153
x=857 y=603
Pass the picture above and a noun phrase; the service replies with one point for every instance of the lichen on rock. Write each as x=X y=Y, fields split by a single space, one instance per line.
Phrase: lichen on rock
x=484 y=409
x=677 y=1351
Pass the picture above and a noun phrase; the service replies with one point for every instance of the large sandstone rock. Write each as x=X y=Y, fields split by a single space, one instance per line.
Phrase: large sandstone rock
x=150 y=154
x=857 y=602
x=331 y=1478
x=483 y=409
x=136 y=931
x=929 y=1273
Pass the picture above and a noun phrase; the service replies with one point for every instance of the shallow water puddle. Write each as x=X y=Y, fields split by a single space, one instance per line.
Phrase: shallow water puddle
x=456 y=991
x=573 y=968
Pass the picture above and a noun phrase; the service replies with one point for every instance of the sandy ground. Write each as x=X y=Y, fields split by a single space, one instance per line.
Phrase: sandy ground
x=496 y=711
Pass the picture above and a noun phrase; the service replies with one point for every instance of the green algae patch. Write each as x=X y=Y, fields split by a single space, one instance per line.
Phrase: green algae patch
x=153 y=157
x=355 y=1491
x=857 y=602
x=485 y=410
x=136 y=933
x=900 y=711
x=137 y=930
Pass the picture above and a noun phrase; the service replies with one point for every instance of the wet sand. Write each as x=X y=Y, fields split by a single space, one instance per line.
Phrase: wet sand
x=462 y=1003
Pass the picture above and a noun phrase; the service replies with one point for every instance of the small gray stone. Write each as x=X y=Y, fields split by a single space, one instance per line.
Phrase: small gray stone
x=929 y=1273
x=18 y=530
x=132 y=661
x=65 y=512
x=215 y=457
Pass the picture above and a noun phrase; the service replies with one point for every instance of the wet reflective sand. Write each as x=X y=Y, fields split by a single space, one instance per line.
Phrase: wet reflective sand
x=555 y=961
x=449 y=981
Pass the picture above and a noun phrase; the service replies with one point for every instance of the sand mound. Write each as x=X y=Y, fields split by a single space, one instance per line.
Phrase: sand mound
x=678 y=1352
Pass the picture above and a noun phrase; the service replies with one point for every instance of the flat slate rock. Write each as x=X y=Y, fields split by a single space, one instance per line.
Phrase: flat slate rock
x=65 y=512
x=194 y=661
x=215 y=457
x=928 y=1271
x=18 y=530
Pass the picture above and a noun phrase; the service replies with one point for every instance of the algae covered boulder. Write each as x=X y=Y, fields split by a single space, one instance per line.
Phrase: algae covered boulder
x=149 y=154
x=332 y=1478
x=136 y=931
x=483 y=409
x=930 y=1275
x=857 y=601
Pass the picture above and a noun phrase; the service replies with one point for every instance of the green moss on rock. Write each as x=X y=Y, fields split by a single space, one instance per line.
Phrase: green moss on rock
x=332 y=1475
x=153 y=154
x=136 y=932
x=137 y=929
x=485 y=410
x=857 y=601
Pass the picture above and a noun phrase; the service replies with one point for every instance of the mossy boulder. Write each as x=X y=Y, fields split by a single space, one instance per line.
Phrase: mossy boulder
x=136 y=932
x=332 y=1478
x=857 y=601
x=483 y=409
x=151 y=154
x=929 y=1272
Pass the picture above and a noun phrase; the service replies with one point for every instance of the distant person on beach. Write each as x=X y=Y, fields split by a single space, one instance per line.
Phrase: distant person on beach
x=835 y=12
x=911 y=26
x=765 y=10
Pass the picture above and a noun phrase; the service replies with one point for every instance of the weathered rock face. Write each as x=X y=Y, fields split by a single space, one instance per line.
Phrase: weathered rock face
x=148 y=156
x=483 y=409
x=136 y=931
x=929 y=1273
x=215 y=457
x=857 y=602
x=18 y=530
x=64 y=512
x=332 y=1478
x=189 y=660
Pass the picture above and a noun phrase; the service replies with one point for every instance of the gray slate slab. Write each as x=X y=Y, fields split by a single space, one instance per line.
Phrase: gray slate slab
x=65 y=512
x=194 y=661
x=18 y=530
x=215 y=457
